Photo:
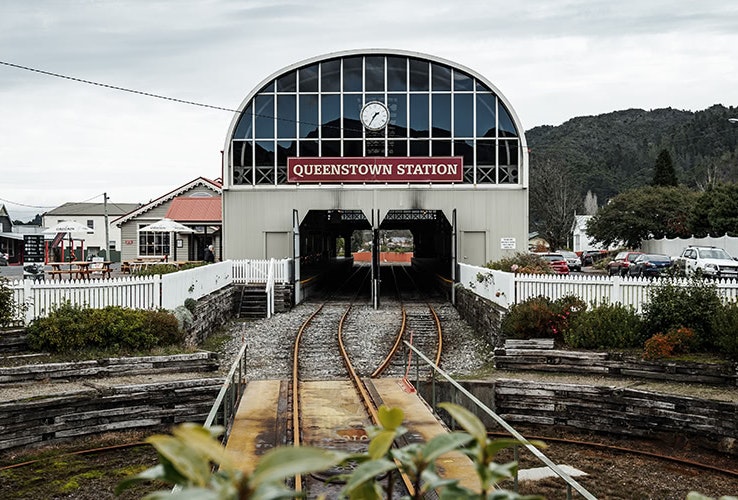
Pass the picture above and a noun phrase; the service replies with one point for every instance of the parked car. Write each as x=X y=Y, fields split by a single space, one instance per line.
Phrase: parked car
x=621 y=262
x=589 y=257
x=572 y=260
x=712 y=262
x=3 y=259
x=556 y=261
x=649 y=265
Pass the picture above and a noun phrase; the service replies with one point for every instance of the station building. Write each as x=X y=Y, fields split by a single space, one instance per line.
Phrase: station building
x=375 y=139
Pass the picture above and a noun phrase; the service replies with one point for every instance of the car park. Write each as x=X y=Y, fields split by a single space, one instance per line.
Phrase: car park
x=572 y=260
x=556 y=261
x=620 y=264
x=649 y=265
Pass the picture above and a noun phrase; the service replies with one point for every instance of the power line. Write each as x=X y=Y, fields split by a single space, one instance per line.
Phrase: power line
x=115 y=87
x=23 y=204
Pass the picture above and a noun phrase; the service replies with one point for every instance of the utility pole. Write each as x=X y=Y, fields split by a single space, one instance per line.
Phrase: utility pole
x=107 y=228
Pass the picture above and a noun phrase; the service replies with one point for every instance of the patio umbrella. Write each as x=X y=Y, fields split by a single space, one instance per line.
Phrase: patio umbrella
x=69 y=227
x=167 y=226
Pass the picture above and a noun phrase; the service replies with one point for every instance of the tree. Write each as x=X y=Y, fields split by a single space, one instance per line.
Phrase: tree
x=664 y=173
x=638 y=214
x=554 y=199
x=590 y=204
x=716 y=212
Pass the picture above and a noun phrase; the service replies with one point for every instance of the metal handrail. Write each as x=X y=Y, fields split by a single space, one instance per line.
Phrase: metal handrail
x=229 y=395
x=571 y=483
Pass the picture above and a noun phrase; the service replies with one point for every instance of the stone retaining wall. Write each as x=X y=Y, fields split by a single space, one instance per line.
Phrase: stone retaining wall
x=213 y=312
x=154 y=406
x=613 y=410
x=482 y=315
x=198 y=362
x=615 y=364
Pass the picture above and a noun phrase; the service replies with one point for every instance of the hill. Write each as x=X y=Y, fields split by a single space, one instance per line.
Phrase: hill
x=611 y=153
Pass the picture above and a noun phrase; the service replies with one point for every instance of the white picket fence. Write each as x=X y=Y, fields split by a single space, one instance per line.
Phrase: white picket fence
x=165 y=291
x=506 y=289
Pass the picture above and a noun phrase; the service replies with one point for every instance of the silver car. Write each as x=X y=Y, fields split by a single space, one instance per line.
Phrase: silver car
x=572 y=260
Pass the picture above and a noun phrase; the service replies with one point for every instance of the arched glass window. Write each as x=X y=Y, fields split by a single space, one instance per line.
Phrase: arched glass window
x=435 y=109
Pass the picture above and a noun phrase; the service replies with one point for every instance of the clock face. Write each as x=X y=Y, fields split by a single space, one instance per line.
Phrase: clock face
x=375 y=115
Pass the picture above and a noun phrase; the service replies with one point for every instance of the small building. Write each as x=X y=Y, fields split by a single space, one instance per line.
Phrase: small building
x=197 y=205
x=92 y=215
x=11 y=242
x=581 y=242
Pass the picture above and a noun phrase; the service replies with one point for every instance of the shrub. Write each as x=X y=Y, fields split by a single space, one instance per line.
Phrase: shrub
x=529 y=319
x=725 y=327
x=540 y=317
x=658 y=347
x=184 y=317
x=72 y=328
x=8 y=307
x=522 y=262
x=672 y=306
x=190 y=304
x=605 y=326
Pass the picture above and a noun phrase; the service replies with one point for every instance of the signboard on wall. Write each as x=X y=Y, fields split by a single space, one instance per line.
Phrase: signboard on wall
x=507 y=243
x=410 y=169
x=33 y=248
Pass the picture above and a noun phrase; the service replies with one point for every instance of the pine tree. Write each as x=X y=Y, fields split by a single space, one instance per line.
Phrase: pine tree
x=664 y=173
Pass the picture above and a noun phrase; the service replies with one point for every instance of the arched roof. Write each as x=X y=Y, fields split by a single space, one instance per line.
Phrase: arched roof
x=481 y=84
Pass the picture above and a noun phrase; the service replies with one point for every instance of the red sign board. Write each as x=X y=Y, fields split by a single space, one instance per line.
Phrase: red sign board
x=411 y=169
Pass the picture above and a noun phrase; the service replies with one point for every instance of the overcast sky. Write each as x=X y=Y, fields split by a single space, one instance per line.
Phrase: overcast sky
x=64 y=141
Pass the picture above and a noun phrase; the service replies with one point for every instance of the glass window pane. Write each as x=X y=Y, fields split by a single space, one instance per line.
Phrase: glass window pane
x=330 y=115
x=508 y=152
x=330 y=148
x=243 y=175
x=397 y=105
x=264 y=154
x=396 y=74
x=286 y=116
x=419 y=115
x=441 y=78
x=352 y=74
x=308 y=148
x=418 y=75
x=441 y=115
x=287 y=83
x=419 y=148
x=462 y=81
x=374 y=148
x=397 y=148
x=463 y=115
x=441 y=148
x=264 y=107
x=507 y=129
x=242 y=153
x=330 y=76
x=244 y=129
x=308 y=115
x=269 y=87
x=285 y=149
x=309 y=79
x=353 y=148
x=486 y=152
x=465 y=149
x=352 y=104
x=374 y=73
x=486 y=115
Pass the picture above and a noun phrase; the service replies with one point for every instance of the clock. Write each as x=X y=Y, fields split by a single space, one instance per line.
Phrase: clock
x=375 y=115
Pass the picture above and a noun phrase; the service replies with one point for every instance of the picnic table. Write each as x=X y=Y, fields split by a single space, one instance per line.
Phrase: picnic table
x=81 y=269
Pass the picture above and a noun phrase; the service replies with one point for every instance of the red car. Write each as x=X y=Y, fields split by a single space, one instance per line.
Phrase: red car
x=556 y=261
x=621 y=263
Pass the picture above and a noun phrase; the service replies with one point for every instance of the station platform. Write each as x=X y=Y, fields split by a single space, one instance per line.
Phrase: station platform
x=333 y=417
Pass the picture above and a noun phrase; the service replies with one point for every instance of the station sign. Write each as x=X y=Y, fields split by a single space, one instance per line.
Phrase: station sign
x=33 y=248
x=376 y=169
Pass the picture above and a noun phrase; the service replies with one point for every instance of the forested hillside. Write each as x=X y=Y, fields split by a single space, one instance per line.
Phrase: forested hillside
x=614 y=152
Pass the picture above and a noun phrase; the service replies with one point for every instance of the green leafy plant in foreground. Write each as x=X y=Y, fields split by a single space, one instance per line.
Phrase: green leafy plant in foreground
x=187 y=457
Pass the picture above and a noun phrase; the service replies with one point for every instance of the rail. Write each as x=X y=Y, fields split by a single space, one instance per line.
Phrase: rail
x=571 y=484
x=229 y=396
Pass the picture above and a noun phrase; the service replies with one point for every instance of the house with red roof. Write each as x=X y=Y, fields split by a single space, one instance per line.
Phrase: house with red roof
x=196 y=205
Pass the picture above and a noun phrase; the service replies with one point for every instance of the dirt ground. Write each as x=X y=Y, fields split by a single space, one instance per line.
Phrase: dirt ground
x=612 y=475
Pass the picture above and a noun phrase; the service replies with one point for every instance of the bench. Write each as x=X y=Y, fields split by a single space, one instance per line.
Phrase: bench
x=62 y=272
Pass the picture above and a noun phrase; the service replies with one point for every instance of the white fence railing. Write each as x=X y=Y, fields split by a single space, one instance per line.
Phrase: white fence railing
x=506 y=289
x=143 y=292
